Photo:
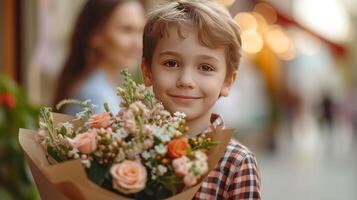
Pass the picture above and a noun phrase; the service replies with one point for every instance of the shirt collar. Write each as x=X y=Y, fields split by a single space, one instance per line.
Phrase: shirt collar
x=217 y=122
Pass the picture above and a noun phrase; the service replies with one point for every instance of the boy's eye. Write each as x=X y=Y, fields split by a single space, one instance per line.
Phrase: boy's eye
x=171 y=63
x=206 y=68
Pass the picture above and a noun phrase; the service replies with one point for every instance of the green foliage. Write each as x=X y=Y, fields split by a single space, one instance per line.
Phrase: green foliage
x=15 y=179
x=131 y=92
x=169 y=182
x=88 y=108
x=154 y=190
x=97 y=173
x=205 y=145
x=55 y=155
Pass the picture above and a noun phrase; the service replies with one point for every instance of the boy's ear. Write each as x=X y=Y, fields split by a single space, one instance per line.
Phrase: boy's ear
x=146 y=73
x=228 y=84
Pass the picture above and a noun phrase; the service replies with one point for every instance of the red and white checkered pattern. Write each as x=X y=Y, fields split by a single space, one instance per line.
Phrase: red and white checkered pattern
x=235 y=176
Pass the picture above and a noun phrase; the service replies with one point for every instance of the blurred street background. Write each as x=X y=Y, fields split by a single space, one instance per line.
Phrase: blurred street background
x=294 y=104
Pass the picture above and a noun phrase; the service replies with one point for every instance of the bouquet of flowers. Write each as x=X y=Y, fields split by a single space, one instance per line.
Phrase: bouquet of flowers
x=140 y=152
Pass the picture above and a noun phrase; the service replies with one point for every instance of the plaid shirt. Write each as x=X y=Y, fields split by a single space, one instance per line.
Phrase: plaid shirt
x=235 y=176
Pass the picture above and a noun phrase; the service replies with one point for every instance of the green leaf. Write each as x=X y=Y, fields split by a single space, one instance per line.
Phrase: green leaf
x=67 y=101
x=169 y=182
x=154 y=190
x=63 y=131
x=97 y=173
x=206 y=145
x=5 y=195
x=55 y=155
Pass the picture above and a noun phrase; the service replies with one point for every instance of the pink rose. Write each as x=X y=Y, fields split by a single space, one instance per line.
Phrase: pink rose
x=189 y=180
x=128 y=176
x=101 y=120
x=181 y=166
x=85 y=142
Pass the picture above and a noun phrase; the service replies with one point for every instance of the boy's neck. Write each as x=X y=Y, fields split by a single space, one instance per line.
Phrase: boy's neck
x=198 y=125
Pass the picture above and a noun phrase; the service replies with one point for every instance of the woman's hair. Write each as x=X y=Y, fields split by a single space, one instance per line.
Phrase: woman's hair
x=91 y=19
x=213 y=22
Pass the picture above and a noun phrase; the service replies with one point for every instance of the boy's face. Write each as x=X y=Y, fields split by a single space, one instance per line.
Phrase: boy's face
x=187 y=76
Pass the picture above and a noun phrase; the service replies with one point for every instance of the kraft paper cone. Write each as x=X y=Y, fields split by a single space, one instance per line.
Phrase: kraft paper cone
x=68 y=180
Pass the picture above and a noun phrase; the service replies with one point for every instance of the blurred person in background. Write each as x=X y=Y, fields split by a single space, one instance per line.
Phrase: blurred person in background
x=107 y=37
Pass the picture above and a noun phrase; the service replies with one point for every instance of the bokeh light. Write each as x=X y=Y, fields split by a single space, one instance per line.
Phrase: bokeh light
x=226 y=3
x=277 y=39
x=246 y=21
x=252 y=42
x=267 y=11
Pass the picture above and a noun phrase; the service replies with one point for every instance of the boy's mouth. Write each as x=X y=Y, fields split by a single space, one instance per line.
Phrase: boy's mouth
x=183 y=98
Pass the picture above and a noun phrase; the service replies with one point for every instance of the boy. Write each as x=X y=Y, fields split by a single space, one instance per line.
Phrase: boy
x=190 y=57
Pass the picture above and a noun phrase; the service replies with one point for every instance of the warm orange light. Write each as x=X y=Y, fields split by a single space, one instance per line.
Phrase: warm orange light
x=252 y=42
x=267 y=11
x=278 y=41
x=226 y=3
x=262 y=23
x=246 y=21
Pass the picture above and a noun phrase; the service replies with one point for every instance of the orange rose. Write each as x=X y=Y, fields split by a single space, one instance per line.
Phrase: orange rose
x=101 y=120
x=177 y=147
x=129 y=176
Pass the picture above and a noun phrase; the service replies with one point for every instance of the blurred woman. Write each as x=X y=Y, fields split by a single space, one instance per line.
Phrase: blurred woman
x=107 y=37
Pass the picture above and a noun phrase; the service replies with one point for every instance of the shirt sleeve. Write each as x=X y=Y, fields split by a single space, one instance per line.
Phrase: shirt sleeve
x=245 y=184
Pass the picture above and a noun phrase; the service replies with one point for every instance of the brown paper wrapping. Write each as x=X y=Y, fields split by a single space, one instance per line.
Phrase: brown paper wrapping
x=68 y=180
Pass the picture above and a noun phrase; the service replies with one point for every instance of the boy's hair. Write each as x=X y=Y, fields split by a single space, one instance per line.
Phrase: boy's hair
x=215 y=26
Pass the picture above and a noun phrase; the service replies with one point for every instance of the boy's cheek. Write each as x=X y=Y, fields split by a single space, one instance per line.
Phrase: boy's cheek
x=224 y=92
x=162 y=79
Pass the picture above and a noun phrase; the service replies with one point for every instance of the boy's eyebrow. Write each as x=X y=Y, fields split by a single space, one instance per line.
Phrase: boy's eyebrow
x=208 y=57
x=167 y=52
x=202 y=56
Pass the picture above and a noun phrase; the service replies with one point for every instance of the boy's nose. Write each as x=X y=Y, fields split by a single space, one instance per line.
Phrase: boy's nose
x=185 y=80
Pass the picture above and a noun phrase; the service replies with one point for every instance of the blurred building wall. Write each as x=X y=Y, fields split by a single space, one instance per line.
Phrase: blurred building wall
x=48 y=25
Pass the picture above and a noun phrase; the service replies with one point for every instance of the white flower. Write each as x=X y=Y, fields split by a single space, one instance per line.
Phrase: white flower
x=153 y=176
x=145 y=155
x=165 y=113
x=86 y=163
x=68 y=126
x=200 y=167
x=153 y=153
x=141 y=87
x=179 y=115
x=161 y=149
x=165 y=138
x=161 y=170
x=162 y=134
x=120 y=133
x=199 y=155
x=148 y=164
